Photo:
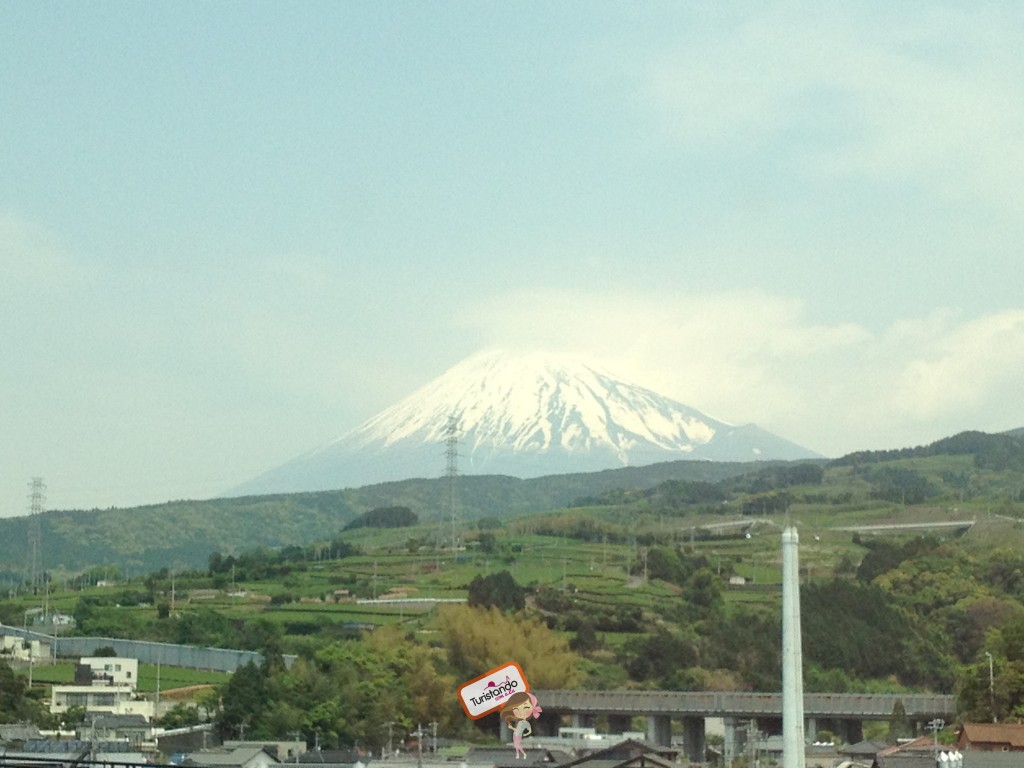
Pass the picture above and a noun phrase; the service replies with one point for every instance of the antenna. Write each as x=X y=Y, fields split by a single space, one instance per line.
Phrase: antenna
x=451 y=454
x=36 y=499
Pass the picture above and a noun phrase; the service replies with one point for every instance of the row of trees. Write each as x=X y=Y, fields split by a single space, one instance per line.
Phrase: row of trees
x=347 y=692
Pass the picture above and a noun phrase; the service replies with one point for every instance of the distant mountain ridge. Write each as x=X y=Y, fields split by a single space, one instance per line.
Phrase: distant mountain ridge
x=185 y=533
x=526 y=416
x=1000 y=451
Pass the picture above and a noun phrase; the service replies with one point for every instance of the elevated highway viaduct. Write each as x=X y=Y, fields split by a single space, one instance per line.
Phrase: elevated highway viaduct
x=841 y=713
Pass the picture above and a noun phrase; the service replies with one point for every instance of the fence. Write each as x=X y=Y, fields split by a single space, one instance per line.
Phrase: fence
x=147 y=652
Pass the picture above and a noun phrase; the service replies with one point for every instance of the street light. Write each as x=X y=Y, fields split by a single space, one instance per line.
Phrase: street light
x=391 y=751
x=935 y=726
x=991 y=688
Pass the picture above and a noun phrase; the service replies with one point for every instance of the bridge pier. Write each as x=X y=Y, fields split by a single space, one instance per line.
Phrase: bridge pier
x=840 y=713
x=659 y=730
x=620 y=723
x=546 y=725
x=693 y=739
x=583 y=719
x=729 y=741
x=848 y=730
x=853 y=731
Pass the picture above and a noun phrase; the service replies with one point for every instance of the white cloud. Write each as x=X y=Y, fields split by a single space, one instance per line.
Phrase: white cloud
x=965 y=368
x=929 y=97
x=756 y=357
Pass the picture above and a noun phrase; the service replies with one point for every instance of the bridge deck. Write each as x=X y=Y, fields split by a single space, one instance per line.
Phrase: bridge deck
x=742 y=704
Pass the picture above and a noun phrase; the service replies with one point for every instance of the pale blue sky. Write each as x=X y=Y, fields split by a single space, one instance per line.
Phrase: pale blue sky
x=232 y=231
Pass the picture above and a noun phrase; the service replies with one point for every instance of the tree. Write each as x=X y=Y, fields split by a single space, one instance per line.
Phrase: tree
x=480 y=639
x=488 y=542
x=586 y=638
x=657 y=656
x=385 y=517
x=244 y=699
x=498 y=590
x=348 y=691
x=180 y=715
x=14 y=704
x=703 y=592
x=900 y=726
x=749 y=645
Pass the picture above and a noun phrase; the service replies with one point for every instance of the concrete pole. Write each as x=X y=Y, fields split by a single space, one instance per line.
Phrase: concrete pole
x=792 y=656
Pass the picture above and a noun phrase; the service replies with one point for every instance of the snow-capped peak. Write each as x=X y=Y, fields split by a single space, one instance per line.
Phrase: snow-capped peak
x=523 y=415
x=536 y=402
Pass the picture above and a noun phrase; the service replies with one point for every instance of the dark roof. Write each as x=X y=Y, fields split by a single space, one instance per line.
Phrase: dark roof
x=863 y=748
x=18 y=732
x=625 y=753
x=918 y=745
x=51 y=746
x=907 y=760
x=504 y=757
x=334 y=756
x=223 y=757
x=919 y=753
x=103 y=720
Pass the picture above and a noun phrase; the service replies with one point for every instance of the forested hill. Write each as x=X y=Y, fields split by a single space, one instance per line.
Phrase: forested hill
x=1002 y=451
x=972 y=465
x=185 y=533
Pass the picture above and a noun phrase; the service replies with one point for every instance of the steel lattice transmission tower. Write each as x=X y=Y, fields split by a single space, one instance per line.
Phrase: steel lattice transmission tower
x=36 y=500
x=451 y=455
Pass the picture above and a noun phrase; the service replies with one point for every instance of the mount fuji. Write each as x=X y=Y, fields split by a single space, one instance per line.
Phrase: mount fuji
x=523 y=415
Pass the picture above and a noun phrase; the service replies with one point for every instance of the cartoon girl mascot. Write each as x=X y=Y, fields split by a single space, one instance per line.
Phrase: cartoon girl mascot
x=516 y=713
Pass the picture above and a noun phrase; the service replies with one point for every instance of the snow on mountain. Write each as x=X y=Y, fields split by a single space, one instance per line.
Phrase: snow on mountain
x=522 y=415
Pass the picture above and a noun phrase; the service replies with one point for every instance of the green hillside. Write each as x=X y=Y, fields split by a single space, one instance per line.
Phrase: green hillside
x=971 y=470
x=910 y=566
x=184 y=533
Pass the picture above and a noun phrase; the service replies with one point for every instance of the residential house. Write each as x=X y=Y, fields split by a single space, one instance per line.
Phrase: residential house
x=861 y=753
x=922 y=752
x=505 y=756
x=112 y=670
x=630 y=753
x=111 y=699
x=991 y=737
x=239 y=757
x=132 y=730
x=189 y=738
x=284 y=751
x=14 y=648
x=45 y=753
x=334 y=758
x=103 y=685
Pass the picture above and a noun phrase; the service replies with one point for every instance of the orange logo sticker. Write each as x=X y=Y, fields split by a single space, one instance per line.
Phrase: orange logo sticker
x=488 y=692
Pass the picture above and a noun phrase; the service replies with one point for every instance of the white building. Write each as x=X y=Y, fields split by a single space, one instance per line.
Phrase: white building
x=113 y=670
x=16 y=648
x=112 y=699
